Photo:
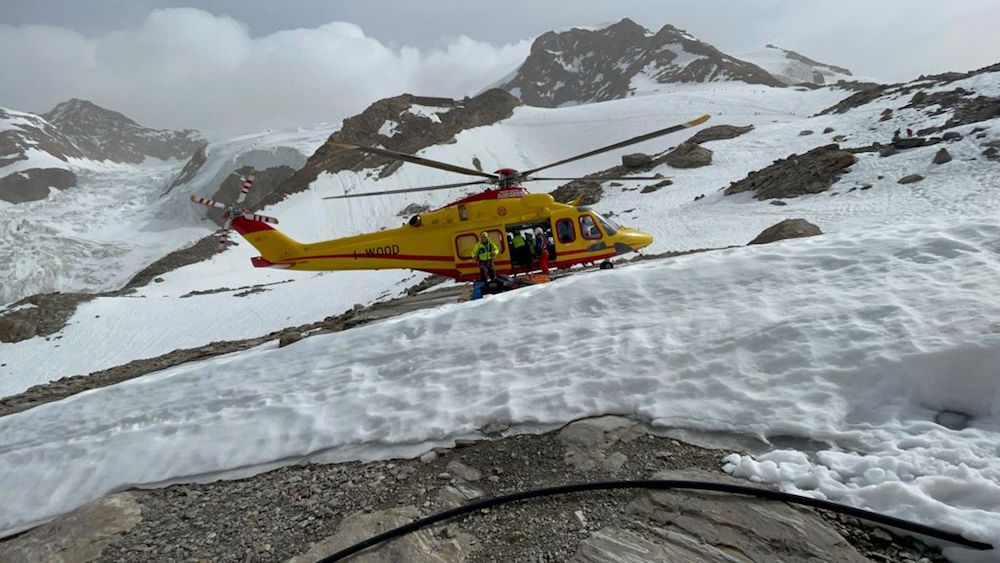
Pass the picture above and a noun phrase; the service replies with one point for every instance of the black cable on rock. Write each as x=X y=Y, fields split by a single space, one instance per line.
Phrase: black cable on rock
x=661 y=485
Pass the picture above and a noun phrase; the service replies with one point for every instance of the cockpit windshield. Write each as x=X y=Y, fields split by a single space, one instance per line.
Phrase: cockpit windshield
x=609 y=226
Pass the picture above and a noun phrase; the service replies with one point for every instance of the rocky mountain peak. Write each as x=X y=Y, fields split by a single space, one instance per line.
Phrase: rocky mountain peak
x=584 y=65
x=103 y=134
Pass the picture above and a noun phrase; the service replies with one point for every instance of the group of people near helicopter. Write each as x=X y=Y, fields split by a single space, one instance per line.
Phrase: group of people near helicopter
x=529 y=249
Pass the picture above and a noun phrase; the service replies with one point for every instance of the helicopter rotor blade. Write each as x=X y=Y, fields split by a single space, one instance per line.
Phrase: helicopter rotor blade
x=625 y=143
x=407 y=190
x=599 y=178
x=412 y=159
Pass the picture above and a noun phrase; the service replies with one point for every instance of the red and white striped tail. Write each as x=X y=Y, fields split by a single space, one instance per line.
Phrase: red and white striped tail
x=208 y=202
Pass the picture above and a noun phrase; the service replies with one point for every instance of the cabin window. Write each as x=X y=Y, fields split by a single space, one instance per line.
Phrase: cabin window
x=464 y=243
x=565 y=231
x=463 y=213
x=589 y=228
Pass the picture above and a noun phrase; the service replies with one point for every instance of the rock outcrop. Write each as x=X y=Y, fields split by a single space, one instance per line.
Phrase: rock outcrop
x=719 y=133
x=405 y=124
x=688 y=155
x=809 y=173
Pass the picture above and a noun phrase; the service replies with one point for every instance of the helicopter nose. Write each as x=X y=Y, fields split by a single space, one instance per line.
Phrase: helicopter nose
x=639 y=239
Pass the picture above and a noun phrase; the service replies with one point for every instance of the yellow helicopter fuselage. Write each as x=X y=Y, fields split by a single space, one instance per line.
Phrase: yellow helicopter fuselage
x=440 y=241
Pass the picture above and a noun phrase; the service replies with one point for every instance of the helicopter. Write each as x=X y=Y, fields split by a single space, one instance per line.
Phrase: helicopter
x=440 y=241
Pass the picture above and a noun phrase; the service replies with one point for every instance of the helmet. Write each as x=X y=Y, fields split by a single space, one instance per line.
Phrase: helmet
x=483 y=235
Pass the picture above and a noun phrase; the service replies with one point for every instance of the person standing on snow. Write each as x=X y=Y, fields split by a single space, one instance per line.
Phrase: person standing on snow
x=484 y=251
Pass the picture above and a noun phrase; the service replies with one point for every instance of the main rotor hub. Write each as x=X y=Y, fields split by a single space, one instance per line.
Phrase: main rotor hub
x=507 y=177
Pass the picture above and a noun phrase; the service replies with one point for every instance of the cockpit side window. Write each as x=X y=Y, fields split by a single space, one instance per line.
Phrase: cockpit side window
x=589 y=227
x=608 y=225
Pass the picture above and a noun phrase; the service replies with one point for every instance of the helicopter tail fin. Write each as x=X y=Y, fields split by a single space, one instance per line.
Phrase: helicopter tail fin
x=276 y=248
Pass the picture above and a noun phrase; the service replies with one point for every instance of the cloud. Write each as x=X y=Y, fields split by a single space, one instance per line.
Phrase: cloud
x=187 y=68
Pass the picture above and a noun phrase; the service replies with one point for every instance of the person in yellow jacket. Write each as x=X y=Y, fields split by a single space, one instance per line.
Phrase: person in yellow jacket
x=484 y=251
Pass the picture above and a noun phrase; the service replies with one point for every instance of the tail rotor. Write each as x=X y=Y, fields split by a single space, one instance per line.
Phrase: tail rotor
x=233 y=210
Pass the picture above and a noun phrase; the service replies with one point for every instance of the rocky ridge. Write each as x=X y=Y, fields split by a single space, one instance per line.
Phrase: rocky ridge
x=103 y=134
x=582 y=66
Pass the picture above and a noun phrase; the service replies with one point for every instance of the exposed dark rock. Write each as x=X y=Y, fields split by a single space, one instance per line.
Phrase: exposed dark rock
x=887 y=150
x=591 y=191
x=636 y=160
x=689 y=155
x=581 y=65
x=942 y=156
x=777 y=202
x=868 y=93
x=839 y=138
x=912 y=178
x=789 y=228
x=477 y=164
x=289 y=337
x=828 y=130
x=34 y=184
x=190 y=169
x=719 y=133
x=886 y=115
x=925 y=131
x=656 y=186
x=810 y=173
x=952 y=136
x=413 y=209
x=909 y=142
x=39 y=315
x=805 y=132
x=991 y=153
x=413 y=133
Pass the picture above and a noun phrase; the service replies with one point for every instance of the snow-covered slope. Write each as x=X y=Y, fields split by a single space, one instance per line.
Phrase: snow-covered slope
x=863 y=342
x=793 y=68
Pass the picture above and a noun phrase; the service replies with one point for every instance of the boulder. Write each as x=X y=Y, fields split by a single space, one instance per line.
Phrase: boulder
x=689 y=155
x=636 y=160
x=789 y=228
x=887 y=150
x=828 y=130
x=805 y=132
x=942 y=156
x=911 y=179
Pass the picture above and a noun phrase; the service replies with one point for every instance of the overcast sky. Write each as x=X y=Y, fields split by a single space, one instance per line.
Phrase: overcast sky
x=231 y=66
